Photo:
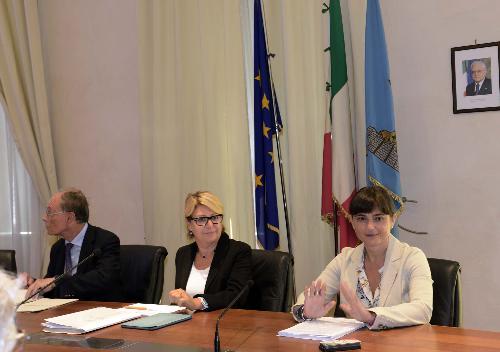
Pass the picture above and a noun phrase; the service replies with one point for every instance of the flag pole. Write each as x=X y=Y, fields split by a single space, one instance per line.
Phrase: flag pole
x=280 y=158
x=336 y=236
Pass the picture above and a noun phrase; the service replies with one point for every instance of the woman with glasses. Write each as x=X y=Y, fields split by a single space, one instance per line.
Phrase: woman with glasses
x=382 y=282
x=213 y=269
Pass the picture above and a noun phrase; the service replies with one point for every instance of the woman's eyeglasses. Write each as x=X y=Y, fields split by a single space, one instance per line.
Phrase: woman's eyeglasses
x=202 y=220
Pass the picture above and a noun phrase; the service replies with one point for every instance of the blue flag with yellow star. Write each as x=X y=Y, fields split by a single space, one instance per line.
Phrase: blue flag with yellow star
x=266 y=207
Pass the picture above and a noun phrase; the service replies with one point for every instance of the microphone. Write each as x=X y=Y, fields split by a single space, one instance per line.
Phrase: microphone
x=96 y=253
x=217 y=337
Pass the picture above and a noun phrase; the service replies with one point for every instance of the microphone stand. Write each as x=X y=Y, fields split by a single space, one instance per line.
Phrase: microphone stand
x=58 y=278
x=217 y=337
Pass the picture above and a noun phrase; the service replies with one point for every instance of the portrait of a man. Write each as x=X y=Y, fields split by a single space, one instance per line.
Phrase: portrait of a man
x=480 y=85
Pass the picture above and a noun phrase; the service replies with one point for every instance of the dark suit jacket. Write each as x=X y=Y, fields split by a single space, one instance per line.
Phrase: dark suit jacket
x=229 y=272
x=485 y=88
x=97 y=279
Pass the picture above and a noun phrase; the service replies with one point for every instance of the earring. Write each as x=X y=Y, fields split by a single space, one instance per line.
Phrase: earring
x=190 y=233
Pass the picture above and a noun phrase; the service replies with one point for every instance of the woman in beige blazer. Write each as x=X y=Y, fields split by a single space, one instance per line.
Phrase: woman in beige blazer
x=382 y=282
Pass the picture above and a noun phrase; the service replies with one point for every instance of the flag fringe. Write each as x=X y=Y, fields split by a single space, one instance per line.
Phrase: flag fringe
x=344 y=212
x=328 y=218
x=393 y=195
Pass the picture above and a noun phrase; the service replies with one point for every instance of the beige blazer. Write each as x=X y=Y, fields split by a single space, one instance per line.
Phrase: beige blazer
x=405 y=289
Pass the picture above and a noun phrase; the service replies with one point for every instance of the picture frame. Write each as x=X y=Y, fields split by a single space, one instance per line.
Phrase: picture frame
x=475 y=77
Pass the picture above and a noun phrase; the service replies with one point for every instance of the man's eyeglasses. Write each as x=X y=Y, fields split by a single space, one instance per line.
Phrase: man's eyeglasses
x=202 y=220
x=48 y=213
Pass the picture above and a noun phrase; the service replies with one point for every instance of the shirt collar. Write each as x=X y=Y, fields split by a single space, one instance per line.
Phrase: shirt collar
x=78 y=240
x=361 y=265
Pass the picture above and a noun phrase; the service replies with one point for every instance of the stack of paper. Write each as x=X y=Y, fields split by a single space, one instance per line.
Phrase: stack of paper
x=152 y=309
x=43 y=304
x=323 y=329
x=89 y=320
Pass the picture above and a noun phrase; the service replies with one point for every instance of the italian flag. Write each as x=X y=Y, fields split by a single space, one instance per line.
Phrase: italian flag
x=339 y=176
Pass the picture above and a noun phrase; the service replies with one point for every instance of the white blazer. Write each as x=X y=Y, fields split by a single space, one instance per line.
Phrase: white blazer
x=405 y=289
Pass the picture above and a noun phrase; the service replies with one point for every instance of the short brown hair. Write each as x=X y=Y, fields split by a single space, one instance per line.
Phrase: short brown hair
x=73 y=200
x=369 y=198
x=205 y=198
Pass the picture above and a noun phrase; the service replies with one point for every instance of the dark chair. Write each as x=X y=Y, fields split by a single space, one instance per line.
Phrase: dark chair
x=273 y=281
x=142 y=269
x=8 y=260
x=447 y=302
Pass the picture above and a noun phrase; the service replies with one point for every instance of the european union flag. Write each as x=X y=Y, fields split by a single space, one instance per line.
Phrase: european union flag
x=266 y=207
x=382 y=166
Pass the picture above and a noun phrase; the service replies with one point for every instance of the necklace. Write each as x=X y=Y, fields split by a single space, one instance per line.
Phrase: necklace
x=204 y=256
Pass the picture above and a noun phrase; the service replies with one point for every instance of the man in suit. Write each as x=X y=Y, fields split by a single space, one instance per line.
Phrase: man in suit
x=481 y=84
x=98 y=278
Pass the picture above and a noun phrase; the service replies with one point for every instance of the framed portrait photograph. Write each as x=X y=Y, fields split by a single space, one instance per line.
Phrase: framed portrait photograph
x=475 y=78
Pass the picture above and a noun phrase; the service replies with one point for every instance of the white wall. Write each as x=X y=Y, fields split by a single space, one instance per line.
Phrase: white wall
x=91 y=61
x=448 y=162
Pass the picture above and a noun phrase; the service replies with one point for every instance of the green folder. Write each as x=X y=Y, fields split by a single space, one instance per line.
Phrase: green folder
x=156 y=321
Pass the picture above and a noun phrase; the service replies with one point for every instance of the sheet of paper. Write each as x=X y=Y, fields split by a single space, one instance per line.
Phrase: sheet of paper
x=325 y=328
x=152 y=309
x=89 y=320
x=43 y=304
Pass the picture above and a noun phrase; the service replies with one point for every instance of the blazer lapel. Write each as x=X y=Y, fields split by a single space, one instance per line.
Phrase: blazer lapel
x=356 y=258
x=220 y=254
x=87 y=247
x=391 y=268
x=185 y=267
x=59 y=257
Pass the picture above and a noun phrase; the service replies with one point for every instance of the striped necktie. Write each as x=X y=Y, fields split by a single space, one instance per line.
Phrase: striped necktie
x=477 y=88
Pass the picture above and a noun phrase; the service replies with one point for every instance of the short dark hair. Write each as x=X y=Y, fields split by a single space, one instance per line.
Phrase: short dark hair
x=73 y=200
x=369 y=198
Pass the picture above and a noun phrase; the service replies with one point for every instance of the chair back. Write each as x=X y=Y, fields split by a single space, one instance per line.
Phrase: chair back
x=273 y=281
x=447 y=302
x=142 y=268
x=8 y=260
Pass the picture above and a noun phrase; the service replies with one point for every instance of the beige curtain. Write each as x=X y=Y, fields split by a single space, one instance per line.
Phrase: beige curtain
x=194 y=117
x=23 y=92
x=298 y=34
x=195 y=125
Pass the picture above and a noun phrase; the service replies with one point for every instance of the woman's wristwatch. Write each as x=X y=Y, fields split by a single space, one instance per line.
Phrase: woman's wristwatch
x=300 y=314
x=203 y=303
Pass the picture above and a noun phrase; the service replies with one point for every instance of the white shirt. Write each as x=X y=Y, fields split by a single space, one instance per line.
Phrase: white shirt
x=197 y=281
x=77 y=247
x=478 y=85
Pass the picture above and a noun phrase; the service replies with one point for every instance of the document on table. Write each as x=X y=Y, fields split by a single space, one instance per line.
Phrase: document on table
x=89 y=320
x=43 y=304
x=325 y=328
x=152 y=309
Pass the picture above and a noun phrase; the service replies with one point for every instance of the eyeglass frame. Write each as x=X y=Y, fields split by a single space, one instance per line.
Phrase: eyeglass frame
x=206 y=218
x=56 y=213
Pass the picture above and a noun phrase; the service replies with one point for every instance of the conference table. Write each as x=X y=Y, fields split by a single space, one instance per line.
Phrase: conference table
x=240 y=330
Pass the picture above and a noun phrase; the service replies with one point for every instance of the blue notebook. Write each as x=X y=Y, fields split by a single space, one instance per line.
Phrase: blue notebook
x=156 y=321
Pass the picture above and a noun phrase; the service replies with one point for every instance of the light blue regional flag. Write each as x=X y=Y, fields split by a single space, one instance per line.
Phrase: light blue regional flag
x=382 y=166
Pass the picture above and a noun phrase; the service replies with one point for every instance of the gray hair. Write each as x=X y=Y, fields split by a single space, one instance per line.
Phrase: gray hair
x=480 y=62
